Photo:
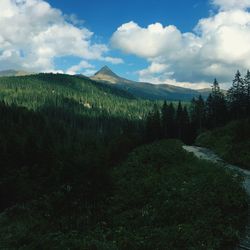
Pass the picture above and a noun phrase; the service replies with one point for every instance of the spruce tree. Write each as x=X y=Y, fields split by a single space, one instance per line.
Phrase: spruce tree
x=237 y=97
x=179 y=120
x=216 y=108
x=164 y=118
x=247 y=86
x=187 y=136
x=153 y=125
x=215 y=87
x=198 y=113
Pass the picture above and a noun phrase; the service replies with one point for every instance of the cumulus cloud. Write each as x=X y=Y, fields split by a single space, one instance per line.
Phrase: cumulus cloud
x=231 y=4
x=79 y=68
x=217 y=47
x=148 y=37
x=33 y=35
x=113 y=60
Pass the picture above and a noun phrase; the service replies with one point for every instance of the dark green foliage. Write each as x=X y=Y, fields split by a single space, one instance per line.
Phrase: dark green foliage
x=171 y=122
x=168 y=120
x=163 y=198
x=153 y=125
x=247 y=86
x=231 y=142
x=216 y=107
x=237 y=97
x=167 y=199
x=198 y=113
x=42 y=153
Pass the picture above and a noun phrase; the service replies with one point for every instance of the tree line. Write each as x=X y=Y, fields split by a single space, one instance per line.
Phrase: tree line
x=185 y=122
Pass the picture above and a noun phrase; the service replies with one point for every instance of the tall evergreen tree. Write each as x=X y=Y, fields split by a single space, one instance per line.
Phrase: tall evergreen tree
x=164 y=118
x=168 y=120
x=187 y=135
x=216 y=108
x=215 y=87
x=179 y=120
x=247 y=86
x=153 y=125
x=198 y=113
x=171 y=127
x=237 y=97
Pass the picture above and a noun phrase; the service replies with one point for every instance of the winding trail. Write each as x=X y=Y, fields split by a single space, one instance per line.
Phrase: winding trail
x=206 y=154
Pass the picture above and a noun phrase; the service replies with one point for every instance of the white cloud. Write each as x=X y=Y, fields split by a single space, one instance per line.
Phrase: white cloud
x=79 y=68
x=231 y=4
x=33 y=35
x=158 y=74
x=154 y=68
x=146 y=42
x=113 y=60
x=218 y=46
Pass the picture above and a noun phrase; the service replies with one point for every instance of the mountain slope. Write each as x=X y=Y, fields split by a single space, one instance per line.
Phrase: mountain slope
x=105 y=74
x=13 y=73
x=147 y=90
x=34 y=91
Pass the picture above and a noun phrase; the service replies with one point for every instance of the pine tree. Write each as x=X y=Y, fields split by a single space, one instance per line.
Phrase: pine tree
x=215 y=88
x=247 y=86
x=198 y=113
x=171 y=127
x=153 y=125
x=168 y=120
x=237 y=97
x=216 y=108
x=187 y=136
x=179 y=120
x=164 y=118
x=209 y=111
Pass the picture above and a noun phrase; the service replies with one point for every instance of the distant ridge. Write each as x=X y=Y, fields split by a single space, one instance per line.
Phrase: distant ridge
x=12 y=72
x=148 y=90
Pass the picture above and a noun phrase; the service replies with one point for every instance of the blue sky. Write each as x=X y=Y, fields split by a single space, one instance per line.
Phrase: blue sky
x=103 y=18
x=185 y=43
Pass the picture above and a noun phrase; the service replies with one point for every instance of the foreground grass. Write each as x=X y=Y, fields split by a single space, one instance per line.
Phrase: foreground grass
x=231 y=142
x=163 y=198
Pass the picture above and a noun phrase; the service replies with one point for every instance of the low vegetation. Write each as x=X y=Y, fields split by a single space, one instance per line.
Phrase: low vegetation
x=162 y=198
x=231 y=142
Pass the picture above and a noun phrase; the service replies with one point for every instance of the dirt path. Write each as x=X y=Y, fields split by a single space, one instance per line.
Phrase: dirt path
x=206 y=154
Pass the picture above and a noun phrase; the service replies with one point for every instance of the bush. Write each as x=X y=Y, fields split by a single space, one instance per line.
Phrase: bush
x=163 y=198
x=231 y=142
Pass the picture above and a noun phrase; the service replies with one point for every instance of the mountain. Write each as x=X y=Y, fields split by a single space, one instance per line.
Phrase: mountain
x=105 y=74
x=12 y=72
x=146 y=90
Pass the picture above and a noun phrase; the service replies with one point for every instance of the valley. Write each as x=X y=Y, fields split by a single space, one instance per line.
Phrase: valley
x=124 y=125
x=88 y=165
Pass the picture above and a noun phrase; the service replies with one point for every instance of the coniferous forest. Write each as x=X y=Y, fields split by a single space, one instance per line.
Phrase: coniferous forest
x=85 y=165
x=186 y=122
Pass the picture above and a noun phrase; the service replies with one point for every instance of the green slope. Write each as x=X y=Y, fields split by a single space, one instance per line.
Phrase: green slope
x=231 y=142
x=36 y=90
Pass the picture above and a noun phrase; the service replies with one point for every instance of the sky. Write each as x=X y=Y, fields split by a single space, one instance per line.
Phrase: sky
x=184 y=43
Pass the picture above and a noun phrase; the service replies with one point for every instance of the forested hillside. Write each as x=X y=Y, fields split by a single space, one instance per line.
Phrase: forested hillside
x=66 y=181
x=231 y=142
x=85 y=95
